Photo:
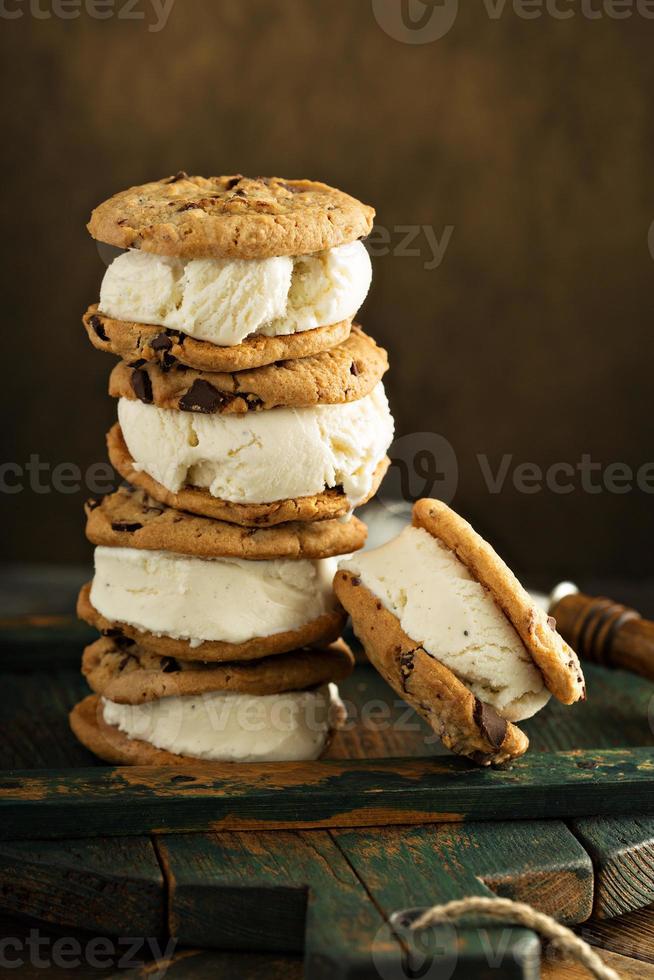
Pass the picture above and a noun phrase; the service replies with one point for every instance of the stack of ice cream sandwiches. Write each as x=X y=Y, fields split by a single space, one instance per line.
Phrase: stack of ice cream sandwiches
x=252 y=421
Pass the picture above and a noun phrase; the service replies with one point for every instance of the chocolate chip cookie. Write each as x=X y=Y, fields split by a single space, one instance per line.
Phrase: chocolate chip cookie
x=343 y=374
x=143 y=342
x=230 y=217
x=130 y=518
x=126 y=673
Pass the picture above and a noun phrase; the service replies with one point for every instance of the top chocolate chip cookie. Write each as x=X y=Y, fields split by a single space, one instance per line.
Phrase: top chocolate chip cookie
x=230 y=217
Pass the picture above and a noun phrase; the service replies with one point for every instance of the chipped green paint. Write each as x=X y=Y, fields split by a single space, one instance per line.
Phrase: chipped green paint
x=330 y=793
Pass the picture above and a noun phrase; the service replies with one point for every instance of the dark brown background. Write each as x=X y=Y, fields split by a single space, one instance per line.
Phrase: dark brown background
x=533 y=139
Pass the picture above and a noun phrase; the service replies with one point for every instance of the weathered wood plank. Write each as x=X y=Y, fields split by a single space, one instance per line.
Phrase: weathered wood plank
x=124 y=800
x=278 y=892
x=630 y=935
x=99 y=884
x=421 y=866
x=622 y=850
x=554 y=968
x=32 y=949
x=34 y=729
x=30 y=643
x=615 y=712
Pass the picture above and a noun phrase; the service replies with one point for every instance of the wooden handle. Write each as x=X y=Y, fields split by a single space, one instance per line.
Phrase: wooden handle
x=607 y=633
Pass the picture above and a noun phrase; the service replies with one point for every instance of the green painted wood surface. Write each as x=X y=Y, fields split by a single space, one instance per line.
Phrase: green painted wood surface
x=337 y=894
x=423 y=866
x=281 y=892
x=99 y=885
x=40 y=682
x=130 y=800
x=622 y=851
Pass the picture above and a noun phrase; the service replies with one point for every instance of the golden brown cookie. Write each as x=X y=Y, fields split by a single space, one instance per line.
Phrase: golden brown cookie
x=230 y=217
x=324 y=629
x=328 y=505
x=557 y=662
x=109 y=743
x=126 y=673
x=343 y=374
x=139 y=341
x=129 y=518
x=464 y=724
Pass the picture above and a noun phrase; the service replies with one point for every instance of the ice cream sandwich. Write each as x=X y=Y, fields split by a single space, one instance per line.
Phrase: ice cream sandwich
x=451 y=629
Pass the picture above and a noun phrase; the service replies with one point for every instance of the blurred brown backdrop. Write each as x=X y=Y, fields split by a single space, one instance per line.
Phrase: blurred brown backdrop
x=534 y=139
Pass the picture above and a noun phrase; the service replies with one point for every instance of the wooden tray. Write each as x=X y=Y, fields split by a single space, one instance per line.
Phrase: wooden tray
x=225 y=859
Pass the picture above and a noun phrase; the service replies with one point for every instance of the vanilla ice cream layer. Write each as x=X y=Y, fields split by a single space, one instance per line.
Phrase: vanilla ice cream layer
x=223 y=301
x=454 y=618
x=199 y=599
x=260 y=457
x=229 y=727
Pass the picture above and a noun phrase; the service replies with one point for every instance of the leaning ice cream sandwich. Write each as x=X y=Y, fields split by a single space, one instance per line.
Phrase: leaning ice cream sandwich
x=451 y=629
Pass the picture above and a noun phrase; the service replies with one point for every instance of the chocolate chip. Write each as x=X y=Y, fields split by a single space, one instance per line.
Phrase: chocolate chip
x=169 y=665
x=167 y=361
x=161 y=342
x=112 y=631
x=123 y=641
x=142 y=386
x=190 y=206
x=98 y=327
x=491 y=725
x=203 y=397
x=240 y=193
x=180 y=175
x=124 y=661
x=126 y=526
x=139 y=362
x=354 y=369
x=233 y=181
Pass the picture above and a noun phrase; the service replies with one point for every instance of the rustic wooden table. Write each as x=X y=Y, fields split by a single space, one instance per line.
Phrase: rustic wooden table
x=259 y=901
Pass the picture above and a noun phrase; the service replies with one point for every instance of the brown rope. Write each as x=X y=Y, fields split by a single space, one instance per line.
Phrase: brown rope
x=521 y=914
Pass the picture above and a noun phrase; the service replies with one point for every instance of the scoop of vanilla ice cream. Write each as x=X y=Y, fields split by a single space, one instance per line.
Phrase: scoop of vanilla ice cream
x=223 y=726
x=223 y=301
x=454 y=618
x=264 y=456
x=326 y=287
x=198 y=599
